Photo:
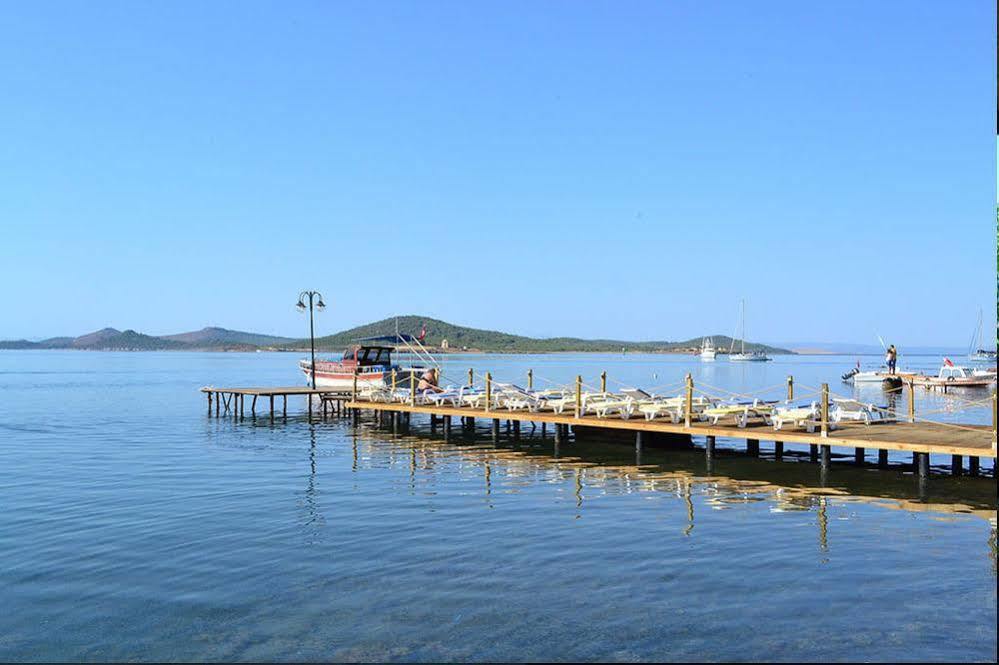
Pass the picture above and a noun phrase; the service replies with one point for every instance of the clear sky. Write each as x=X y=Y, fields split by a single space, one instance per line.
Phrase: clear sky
x=611 y=169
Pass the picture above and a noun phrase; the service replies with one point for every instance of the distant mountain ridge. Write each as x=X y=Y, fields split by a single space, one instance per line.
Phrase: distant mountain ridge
x=458 y=338
x=213 y=336
x=111 y=339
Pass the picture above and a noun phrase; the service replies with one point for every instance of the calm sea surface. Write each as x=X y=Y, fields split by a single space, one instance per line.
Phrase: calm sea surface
x=132 y=526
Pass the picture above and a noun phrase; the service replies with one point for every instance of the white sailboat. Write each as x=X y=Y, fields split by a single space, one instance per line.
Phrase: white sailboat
x=708 y=350
x=742 y=356
x=976 y=350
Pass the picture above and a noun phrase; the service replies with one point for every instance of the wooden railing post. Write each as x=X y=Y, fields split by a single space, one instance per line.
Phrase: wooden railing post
x=412 y=387
x=790 y=388
x=579 y=395
x=912 y=401
x=530 y=379
x=489 y=389
x=393 y=383
x=354 y=393
x=688 y=402
x=995 y=418
x=603 y=381
x=825 y=409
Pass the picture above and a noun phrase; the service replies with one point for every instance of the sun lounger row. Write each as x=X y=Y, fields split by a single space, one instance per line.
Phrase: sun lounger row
x=633 y=401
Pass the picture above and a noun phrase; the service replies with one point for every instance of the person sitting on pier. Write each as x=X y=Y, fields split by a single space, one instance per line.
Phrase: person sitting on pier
x=428 y=383
x=891 y=357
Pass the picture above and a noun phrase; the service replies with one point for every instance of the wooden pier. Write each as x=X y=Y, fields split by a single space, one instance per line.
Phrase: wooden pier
x=226 y=401
x=917 y=437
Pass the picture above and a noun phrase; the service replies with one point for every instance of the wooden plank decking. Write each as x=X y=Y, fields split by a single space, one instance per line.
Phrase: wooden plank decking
x=970 y=440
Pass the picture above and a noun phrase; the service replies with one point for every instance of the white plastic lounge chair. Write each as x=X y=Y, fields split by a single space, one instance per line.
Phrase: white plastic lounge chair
x=851 y=409
x=741 y=412
x=473 y=397
x=808 y=416
x=516 y=398
x=675 y=408
x=449 y=395
x=605 y=404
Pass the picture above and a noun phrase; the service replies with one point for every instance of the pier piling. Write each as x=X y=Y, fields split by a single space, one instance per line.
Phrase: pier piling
x=882 y=458
x=923 y=464
x=778 y=450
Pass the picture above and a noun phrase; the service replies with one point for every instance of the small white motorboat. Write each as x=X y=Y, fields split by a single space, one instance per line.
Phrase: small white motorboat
x=708 y=350
x=955 y=376
x=881 y=375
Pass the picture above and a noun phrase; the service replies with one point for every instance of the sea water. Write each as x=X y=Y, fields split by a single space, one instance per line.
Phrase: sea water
x=133 y=526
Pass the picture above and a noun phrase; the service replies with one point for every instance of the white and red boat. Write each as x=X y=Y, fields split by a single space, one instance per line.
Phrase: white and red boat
x=955 y=376
x=371 y=364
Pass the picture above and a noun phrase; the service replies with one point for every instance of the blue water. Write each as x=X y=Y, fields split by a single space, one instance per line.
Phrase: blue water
x=133 y=526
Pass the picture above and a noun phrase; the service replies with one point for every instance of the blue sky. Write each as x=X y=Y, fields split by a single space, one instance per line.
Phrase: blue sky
x=623 y=170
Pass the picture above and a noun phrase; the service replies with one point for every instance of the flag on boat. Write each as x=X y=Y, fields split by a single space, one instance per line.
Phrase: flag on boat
x=423 y=332
x=948 y=362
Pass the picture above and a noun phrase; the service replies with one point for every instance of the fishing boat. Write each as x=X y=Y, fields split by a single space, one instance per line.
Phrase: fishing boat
x=976 y=351
x=742 y=356
x=370 y=360
x=956 y=376
x=708 y=350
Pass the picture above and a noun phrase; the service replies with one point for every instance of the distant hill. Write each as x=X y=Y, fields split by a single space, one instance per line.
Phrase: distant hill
x=108 y=339
x=458 y=337
x=221 y=337
x=462 y=337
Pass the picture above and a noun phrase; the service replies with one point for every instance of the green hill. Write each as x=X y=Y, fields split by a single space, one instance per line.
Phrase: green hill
x=462 y=337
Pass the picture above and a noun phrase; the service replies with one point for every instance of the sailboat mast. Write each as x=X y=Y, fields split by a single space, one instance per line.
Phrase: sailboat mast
x=743 y=335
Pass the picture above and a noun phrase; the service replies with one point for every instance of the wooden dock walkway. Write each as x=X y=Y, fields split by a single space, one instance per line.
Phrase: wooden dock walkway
x=225 y=400
x=919 y=438
x=970 y=440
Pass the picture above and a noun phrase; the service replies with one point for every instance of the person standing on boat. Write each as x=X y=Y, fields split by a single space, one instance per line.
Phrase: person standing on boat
x=890 y=358
x=428 y=383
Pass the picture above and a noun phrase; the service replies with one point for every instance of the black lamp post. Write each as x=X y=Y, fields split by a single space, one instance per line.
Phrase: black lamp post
x=320 y=305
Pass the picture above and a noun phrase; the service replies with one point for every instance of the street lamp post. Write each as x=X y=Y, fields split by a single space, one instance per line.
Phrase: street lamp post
x=320 y=305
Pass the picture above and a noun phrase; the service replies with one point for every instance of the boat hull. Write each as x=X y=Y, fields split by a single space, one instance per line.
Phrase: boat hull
x=334 y=378
x=935 y=382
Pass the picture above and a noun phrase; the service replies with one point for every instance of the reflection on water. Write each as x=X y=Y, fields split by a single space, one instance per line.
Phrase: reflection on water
x=724 y=481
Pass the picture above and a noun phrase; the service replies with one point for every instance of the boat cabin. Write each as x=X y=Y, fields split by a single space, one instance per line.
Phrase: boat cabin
x=951 y=372
x=368 y=356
